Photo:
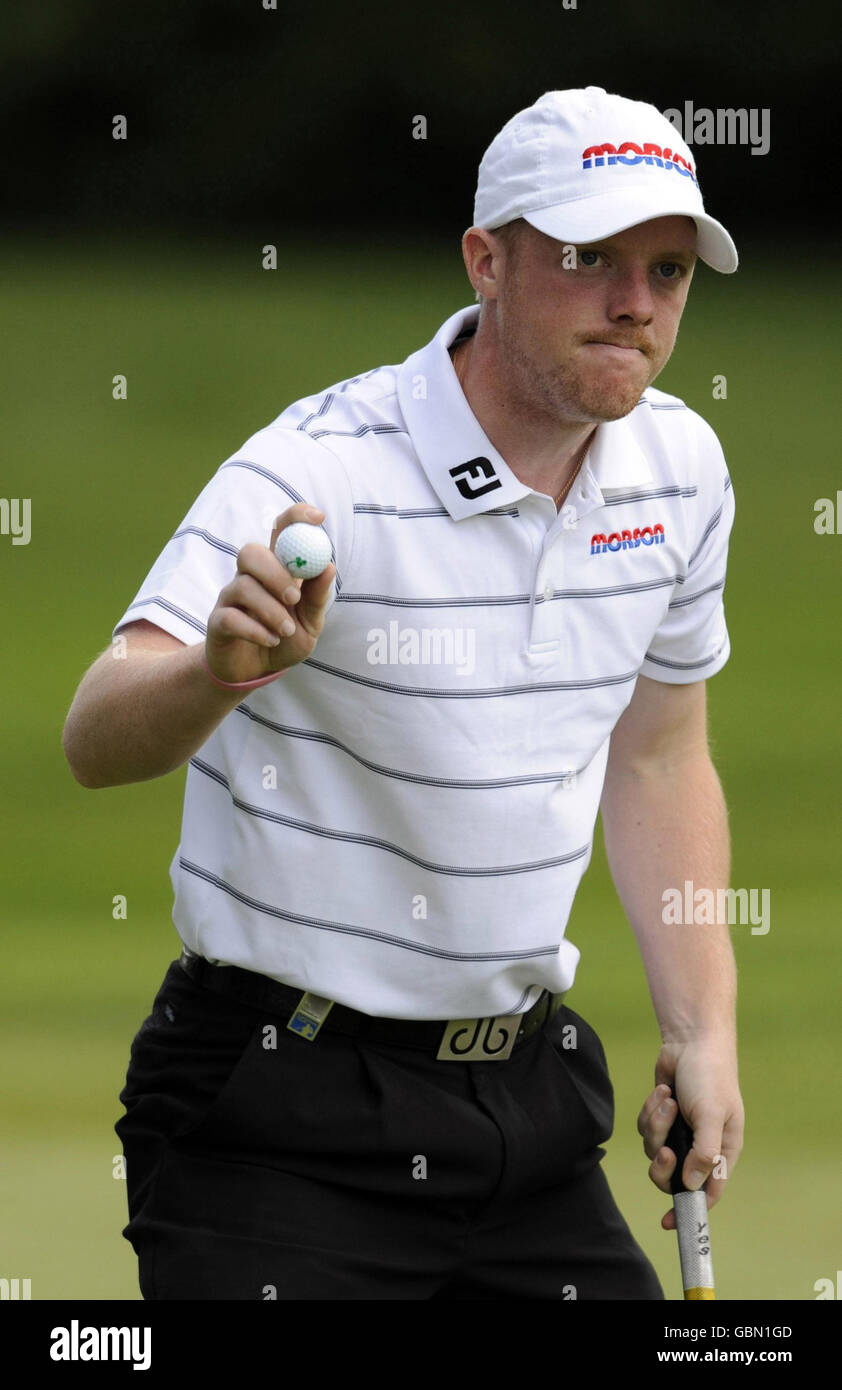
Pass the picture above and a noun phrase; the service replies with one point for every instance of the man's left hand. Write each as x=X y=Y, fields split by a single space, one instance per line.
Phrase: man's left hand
x=704 y=1077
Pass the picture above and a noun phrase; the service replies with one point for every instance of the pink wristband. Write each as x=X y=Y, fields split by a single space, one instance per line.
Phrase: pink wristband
x=243 y=685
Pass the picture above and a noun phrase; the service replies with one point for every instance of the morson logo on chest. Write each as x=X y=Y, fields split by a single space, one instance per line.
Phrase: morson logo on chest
x=627 y=540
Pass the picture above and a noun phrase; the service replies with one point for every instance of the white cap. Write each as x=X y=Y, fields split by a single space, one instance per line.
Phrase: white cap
x=584 y=164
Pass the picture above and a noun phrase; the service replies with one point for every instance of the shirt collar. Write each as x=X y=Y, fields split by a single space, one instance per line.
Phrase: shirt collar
x=615 y=458
x=463 y=467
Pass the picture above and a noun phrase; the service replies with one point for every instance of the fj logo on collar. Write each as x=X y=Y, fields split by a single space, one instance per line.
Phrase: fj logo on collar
x=477 y=468
x=310 y=1013
x=479 y=1039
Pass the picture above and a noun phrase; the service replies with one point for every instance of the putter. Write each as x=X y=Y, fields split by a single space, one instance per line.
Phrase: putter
x=691 y=1219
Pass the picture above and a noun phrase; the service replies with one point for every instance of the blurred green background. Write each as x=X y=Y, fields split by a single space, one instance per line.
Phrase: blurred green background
x=214 y=348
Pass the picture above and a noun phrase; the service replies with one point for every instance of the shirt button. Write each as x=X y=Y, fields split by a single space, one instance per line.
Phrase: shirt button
x=548 y=590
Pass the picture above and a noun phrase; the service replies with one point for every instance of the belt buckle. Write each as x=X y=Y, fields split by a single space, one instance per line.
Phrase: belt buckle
x=310 y=1013
x=479 y=1039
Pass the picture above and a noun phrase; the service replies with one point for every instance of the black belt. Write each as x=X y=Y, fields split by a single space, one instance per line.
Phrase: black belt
x=261 y=992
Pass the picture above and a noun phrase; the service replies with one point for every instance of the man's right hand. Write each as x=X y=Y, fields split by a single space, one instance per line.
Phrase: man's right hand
x=266 y=620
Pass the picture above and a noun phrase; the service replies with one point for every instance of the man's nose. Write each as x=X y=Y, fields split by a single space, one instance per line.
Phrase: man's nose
x=630 y=298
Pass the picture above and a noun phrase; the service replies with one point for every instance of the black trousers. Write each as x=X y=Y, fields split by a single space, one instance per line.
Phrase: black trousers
x=262 y=1165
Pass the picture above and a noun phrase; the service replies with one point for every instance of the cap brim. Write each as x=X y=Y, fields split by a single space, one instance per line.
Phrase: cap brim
x=592 y=219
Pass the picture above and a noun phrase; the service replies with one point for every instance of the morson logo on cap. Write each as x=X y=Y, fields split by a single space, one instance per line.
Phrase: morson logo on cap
x=595 y=156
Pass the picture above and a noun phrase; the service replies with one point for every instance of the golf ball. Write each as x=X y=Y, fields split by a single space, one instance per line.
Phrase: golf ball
x=304 y=549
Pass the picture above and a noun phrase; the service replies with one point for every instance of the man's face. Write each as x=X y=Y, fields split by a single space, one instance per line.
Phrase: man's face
x=582 y=343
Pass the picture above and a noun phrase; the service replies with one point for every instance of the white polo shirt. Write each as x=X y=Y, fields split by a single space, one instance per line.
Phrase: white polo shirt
x=401 y=822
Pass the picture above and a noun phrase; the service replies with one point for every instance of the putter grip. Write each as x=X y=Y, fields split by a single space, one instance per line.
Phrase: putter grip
x=691 y=1220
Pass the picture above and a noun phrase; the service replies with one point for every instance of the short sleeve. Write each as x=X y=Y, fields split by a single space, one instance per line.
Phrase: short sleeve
x=275 y=468
x=692 y=641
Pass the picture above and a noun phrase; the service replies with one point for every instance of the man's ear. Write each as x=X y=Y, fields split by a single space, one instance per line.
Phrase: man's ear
x=482 y=254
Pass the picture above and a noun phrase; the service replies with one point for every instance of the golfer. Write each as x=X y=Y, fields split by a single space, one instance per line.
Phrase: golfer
x=362 y=1078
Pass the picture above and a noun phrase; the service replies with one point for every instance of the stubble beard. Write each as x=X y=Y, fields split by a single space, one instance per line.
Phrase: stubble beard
x=567 y=393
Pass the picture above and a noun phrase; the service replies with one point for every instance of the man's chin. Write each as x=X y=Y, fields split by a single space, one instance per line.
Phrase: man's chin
x=602 y=396
x=606 y=405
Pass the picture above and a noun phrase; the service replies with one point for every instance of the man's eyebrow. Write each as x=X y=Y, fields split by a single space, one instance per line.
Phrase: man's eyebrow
x=609 y=245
